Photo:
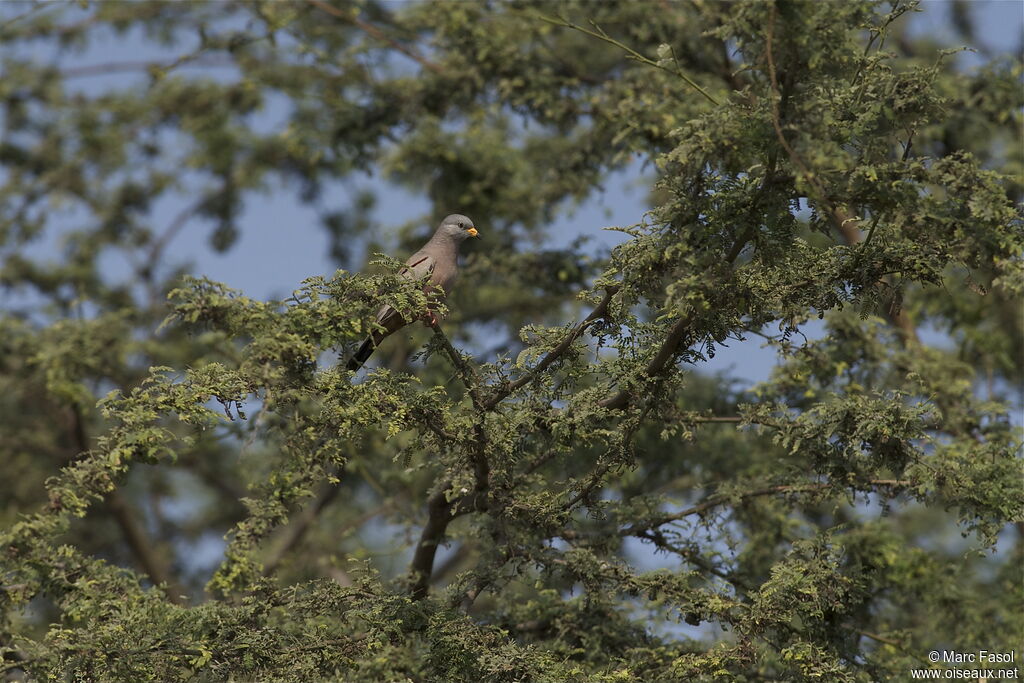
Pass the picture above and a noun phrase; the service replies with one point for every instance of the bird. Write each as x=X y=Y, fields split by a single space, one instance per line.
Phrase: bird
x=439 y=259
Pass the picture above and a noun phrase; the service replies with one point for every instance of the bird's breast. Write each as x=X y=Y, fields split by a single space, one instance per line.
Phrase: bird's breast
x=444 y=276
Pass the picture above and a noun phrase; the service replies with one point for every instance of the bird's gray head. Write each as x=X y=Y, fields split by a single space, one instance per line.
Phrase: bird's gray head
x=457 y=227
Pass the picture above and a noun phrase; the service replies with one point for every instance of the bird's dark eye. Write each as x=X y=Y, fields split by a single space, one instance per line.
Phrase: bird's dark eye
x=462 y=225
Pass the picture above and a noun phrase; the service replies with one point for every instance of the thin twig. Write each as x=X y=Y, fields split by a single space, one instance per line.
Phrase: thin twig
x=170 y=232
x=659 y=540
x=874 y=223
x=466 y=372
x=18 y=17
x=375 y=32
x=598 y=475
x=472 y=381
x=880 y=639
x=105 y=68
x=601 y=35
x=721 y=499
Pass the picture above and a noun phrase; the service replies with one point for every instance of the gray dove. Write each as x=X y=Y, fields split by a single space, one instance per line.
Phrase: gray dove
x=439 y=259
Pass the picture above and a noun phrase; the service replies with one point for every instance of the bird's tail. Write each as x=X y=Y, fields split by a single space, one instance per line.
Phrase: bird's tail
x=362 y=354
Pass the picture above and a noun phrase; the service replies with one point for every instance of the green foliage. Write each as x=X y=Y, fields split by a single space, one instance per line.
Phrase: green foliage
x=582 y=503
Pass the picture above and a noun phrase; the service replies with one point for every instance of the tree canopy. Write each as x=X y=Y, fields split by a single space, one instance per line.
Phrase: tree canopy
x=547 y=486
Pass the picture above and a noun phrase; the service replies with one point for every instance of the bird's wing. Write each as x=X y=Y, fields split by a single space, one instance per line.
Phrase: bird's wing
x=417 y=267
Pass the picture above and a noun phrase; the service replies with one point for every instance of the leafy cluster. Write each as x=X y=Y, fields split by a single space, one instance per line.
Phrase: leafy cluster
x=580 y=502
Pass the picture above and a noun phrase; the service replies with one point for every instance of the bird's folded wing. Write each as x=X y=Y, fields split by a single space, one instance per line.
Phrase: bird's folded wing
x=416 y=268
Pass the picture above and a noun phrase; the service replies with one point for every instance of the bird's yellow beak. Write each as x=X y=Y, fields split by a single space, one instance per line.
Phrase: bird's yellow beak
x=473 y=232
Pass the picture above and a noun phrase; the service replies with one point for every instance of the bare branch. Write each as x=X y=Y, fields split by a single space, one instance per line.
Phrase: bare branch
x=24 y=15
x=106 y=68
x=295 y=532
x=141 y=546
x=719 y=500
x=439 y=514
x=633 y=54
x=375 y=32
x=171 y=231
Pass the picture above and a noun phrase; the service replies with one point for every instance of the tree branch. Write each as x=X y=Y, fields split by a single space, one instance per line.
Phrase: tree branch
x=898 y=318
x=375 y=32
x=659 y=540
x=718 y=500
x=666 y=351
x=841 y=219
x=439 y=514
x=467 y=373
x=105 y=68
x=450 y=564
x=170 y=232
x=633 y=54
x=600 y=311
x=597 y=476
x=776 y=97
x=134 y=535
x=141 y=546
x=294 y=533
x=478 y=455
x=678 y=330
